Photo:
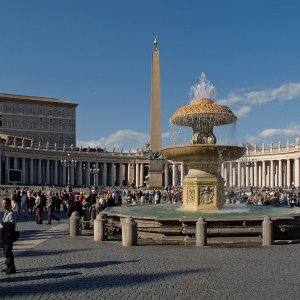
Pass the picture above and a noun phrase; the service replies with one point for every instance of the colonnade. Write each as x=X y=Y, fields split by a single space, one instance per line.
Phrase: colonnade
x=26 y=169
x=275 y=172
x=27 y=166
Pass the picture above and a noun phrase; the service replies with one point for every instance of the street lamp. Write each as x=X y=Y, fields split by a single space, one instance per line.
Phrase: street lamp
x=94 y=170
x=69 y=163
x=247 y=162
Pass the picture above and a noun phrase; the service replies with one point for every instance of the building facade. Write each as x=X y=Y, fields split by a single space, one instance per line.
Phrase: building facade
x=46 y=121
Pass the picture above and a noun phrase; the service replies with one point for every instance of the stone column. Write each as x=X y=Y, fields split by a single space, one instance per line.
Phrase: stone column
x=280 y=173
x=275 y=174
x=260 y=175
x=225 y=174
x=230 y=174
x=23 y=170
x=79 y=176
x=72 y=175
x=288 y=172
x=173 y=174
x=255 y=175
x=39 y=171
x=142 y=174
x=64 y=175
x=297 y=172
x=272 y=173
x=137 y=182
x=247 y=175
x=239 y=174
x=55 y=172
x=113 y=174
x=47 y=171
x=263 y=173
x=88 y=173
x=104 y=174
x=268 y=175
x=181 y=174
x=129 y=174
x=234 y=184
x=31 y=172
x=242 y=176
x=166 y=174
x=252 y=175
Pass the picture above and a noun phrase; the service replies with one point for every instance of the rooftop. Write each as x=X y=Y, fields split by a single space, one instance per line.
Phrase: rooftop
x=33 y=98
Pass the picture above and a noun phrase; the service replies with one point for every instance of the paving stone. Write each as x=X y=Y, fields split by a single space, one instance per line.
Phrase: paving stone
x=53 y=265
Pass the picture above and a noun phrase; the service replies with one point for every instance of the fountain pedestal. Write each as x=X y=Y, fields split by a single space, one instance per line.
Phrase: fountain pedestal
x=202 y=191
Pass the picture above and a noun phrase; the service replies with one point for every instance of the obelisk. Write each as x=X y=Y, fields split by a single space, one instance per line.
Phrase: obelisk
x=156 y=161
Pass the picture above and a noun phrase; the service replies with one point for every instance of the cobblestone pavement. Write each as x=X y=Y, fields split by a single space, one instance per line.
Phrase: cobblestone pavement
x=56 y=266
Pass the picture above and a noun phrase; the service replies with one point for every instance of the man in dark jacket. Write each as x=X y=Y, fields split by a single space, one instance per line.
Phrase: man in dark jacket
x=50 y=205
x=7 y=229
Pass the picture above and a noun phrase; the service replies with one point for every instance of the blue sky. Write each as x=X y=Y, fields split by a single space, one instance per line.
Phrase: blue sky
x=98 y=54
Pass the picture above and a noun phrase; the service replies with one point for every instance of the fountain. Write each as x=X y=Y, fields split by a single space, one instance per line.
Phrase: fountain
x=203 y=186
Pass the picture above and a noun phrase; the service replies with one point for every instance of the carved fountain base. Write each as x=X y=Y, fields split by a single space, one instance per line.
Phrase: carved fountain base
x=202 y=191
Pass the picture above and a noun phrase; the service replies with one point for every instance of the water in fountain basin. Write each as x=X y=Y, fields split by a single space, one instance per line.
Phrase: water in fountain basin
x=230 y=211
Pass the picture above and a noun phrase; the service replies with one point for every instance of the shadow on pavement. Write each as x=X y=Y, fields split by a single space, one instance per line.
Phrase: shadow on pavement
x=97 y=282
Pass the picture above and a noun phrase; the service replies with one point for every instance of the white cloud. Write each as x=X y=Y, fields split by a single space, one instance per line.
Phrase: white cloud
x=241 y=101
x=290 y=133
x=242 y=111
x=285 y=92
x=122 y=139
x=275 y=132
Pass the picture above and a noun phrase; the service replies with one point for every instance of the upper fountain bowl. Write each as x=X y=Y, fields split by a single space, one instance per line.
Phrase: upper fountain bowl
x=203 y=109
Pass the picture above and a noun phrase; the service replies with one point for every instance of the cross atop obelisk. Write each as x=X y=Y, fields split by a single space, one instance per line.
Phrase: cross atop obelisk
x=155 y=131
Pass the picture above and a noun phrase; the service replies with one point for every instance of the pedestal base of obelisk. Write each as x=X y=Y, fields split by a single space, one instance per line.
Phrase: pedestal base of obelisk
x=202 y=191
x=155 y=174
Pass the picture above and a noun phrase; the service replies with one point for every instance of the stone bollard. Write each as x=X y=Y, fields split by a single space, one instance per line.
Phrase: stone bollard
x=74 y=224
x=129 y=232
x=201 y=232
x=100 y=228
x=267 y=228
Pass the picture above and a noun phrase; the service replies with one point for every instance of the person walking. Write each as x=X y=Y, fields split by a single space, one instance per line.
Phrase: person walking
x=7 y=228
x=50 y=205
x=38 y=208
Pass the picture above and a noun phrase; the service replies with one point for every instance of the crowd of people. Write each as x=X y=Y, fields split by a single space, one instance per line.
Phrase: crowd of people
x=265 y=196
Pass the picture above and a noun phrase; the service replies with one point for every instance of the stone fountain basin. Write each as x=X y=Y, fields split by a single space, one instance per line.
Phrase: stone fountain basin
x=203 y=152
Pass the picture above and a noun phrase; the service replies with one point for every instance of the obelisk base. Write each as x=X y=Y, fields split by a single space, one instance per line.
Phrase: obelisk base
x=155 y=174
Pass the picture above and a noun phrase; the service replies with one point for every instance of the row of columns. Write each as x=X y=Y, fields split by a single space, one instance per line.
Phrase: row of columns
x=271 y=173
x=52 y=172
x=32 y=171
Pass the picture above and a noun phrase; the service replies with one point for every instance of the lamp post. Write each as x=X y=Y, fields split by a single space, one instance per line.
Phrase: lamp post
x=69 y=163
x=248 y=164
x=94 y=170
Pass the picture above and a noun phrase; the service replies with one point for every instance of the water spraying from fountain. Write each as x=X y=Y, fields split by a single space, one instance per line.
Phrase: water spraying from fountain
x=204 y=89
x=203 y=186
